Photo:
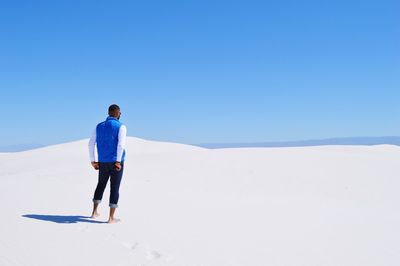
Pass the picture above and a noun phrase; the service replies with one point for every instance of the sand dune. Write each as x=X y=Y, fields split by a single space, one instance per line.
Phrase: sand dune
x=185 y=205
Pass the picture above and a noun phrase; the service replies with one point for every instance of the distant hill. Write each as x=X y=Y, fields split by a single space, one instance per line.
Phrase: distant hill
x=21 y=147
x=393 y=140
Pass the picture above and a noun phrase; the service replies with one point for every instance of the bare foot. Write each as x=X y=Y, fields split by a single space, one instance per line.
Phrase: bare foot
x=95 y=215
x=113 y=221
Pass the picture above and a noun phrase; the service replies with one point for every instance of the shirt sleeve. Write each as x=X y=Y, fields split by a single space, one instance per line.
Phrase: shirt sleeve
x=121 y=142
x=92 y=143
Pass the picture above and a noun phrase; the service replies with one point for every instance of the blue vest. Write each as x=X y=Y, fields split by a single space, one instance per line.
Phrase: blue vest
x=107 y=140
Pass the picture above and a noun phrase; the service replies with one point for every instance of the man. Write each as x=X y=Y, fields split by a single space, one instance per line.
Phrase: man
x=110 y=138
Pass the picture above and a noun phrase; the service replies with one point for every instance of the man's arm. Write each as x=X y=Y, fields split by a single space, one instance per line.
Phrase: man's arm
x=121 y=142
x=92 y=143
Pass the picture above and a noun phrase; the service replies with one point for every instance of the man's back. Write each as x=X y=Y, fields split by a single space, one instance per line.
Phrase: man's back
x=107 y=139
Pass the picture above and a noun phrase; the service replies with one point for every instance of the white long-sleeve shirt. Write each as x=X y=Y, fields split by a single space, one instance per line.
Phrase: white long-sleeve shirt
x=120 y=147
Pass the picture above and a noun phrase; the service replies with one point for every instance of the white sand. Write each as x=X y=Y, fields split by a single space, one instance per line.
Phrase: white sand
x=183 y=205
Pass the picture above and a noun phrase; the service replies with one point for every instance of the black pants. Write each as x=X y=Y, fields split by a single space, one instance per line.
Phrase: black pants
x=107 y=170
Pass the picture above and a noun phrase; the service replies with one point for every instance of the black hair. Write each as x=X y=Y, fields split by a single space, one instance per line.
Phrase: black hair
x=113 y=109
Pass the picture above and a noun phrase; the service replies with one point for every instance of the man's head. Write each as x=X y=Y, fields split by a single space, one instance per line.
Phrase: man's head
x=114 y=111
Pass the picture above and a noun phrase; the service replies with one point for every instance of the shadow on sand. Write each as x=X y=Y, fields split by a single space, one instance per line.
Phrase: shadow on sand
x=63 y=219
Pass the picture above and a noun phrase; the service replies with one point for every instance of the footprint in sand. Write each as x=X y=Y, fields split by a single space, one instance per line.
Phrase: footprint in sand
x=130 y=246
x=153 y=255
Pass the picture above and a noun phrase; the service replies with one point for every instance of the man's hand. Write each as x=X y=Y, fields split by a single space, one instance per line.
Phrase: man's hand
x=95 y=165
x=118 y=166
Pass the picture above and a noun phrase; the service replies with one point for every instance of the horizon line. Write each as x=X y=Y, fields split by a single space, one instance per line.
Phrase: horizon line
x=366 y=141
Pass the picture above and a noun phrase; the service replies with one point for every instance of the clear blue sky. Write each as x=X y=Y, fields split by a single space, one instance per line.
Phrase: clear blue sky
x=200 y=71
